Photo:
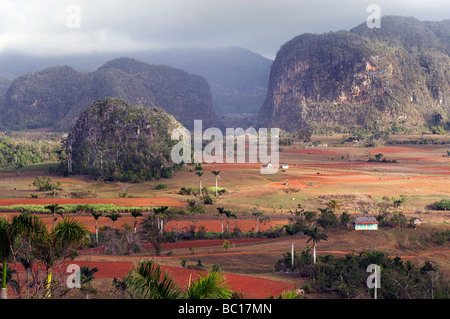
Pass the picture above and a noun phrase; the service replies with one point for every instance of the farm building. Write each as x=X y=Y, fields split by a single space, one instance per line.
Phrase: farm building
x=365 y=223
x=417 y=222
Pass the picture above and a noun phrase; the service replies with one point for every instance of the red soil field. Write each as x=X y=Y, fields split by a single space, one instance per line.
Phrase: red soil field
x=148 y=202
x=215 y=225
x=231 y=166
x=312 y=152
x=253 y=287
x=173 y=225
x=397 y=149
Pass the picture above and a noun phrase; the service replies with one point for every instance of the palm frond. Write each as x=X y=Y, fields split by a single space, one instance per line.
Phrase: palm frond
x=209 y=286
x=146 y=280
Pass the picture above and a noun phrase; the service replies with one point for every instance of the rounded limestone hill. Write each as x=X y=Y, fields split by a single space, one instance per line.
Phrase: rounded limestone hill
x=121 y=142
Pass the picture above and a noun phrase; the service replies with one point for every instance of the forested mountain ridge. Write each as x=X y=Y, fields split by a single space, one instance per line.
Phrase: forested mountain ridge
x=237 y=77
x=395 y=78
x=56 y=96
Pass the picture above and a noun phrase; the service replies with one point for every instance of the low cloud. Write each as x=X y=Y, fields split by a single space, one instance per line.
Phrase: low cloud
x=46 y=27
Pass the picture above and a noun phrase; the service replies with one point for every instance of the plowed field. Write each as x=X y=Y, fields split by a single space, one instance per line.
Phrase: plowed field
x=148 y=202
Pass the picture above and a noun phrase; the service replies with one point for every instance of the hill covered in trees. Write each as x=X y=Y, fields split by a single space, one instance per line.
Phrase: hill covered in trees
x=56 y=96
x=120 y=142
x=394 y=79
x=237 y=77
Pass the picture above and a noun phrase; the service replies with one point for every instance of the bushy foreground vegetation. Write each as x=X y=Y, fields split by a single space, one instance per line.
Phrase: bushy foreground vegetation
x=346 y=277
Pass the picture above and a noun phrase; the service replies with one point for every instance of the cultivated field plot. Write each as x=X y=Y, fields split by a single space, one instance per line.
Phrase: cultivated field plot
x=315 y=176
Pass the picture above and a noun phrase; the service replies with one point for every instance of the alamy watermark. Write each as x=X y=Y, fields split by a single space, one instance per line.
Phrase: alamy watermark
x=235 y=142
x=73 y=20
x=373 y=20
x=73 y=280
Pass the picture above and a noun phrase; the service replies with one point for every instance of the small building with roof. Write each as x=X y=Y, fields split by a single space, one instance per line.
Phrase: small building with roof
x=365 y=223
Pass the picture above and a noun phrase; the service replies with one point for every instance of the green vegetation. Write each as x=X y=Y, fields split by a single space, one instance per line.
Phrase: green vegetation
x=442 y=205
x=60 y=94
x=21 y=152
x=45 y=184
x=118 y=142
x=26 y=238
x=351 y=87
x=345 y=277
x=75 y=208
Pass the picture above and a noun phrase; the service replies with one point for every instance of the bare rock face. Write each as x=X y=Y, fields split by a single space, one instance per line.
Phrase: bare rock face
x=360 y=79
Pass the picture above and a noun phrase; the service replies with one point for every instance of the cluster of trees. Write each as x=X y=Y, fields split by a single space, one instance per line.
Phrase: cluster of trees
x=346 y=277
x=26 y=240
x=379 y=158
x=18 y=153
x=45 y=183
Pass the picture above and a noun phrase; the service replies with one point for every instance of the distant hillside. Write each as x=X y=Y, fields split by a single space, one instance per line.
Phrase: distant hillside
x=395 y=78
x=237 y=77
x=56 y=96
x=119 y=142
x=4 y=84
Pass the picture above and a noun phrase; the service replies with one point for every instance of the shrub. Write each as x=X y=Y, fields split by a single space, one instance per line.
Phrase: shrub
x=442 y=205
x=208 y=200
x=45 y=184
x=161 y=186
x=328 y=219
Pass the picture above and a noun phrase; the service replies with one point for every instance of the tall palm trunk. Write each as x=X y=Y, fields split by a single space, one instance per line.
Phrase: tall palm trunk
x=292 y=252
x=216 y=187
x=314 y=251
x=4 y=290
x=48 y=282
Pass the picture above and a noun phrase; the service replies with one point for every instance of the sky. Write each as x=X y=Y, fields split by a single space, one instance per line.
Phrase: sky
x=63 y=27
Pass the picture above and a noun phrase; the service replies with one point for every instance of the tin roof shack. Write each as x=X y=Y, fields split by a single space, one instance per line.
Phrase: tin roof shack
x=365 y=223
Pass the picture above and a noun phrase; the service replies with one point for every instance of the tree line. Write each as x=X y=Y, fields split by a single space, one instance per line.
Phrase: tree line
x=18 y=152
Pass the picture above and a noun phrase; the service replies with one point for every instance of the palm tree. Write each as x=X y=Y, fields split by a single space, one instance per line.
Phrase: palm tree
x=70 y=232
x=23 y=224
x=316 y=236
x=291 y=230
x=221 y=212
x=8 y=278
x=200 y=173
x=96 y=215
x=229 y=214
x=216 y=173
x=49 y=246
x=54 y=208
x=257 y=215
x=87 y=275
x=208 y=286
x=135 y=213
x=334 y=205
x=160 y=212
x=146 y=280
x=114 y=216
x=5 y=252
